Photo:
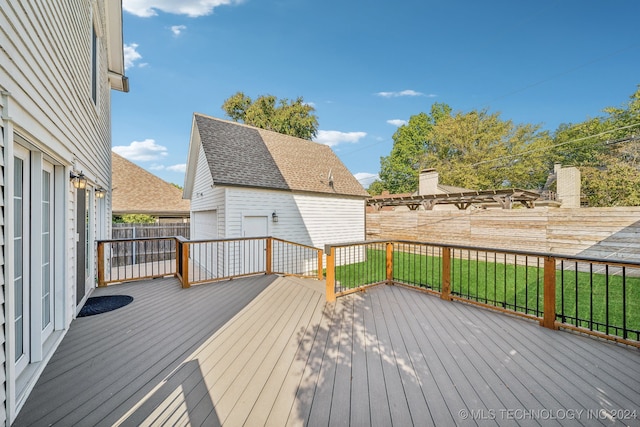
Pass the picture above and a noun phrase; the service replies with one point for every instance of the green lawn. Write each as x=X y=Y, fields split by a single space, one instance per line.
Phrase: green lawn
x=498 y=281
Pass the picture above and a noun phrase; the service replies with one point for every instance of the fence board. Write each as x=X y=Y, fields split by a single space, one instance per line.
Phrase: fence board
x=131 y=230
x=582 y=231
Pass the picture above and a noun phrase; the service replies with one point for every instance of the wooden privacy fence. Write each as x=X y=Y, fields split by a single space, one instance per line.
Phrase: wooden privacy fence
x=134 y=230
x=202 y=261
x=591 y=295
x=591 y=232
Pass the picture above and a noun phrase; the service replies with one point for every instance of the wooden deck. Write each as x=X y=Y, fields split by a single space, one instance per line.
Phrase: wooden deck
x=267 y=350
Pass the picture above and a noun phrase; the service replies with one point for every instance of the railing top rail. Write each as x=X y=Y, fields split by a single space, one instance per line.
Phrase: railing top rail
x=565 y=257
x=296 y=244
x=185 y=240
x=232 y=239
x=136 y=239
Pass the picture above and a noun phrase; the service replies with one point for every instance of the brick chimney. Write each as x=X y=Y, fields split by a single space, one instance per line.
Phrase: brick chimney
x=568 y=185
x=428 y=183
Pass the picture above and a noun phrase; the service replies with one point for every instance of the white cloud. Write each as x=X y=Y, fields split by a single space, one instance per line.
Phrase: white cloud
x=191 y=8
x=182 y=167
x=156 y=167
x=131 y=55
x=143 y=151
x=334 y=137
x=178 y=29
x=365 y=178
x=407 y=92
x=397 y=122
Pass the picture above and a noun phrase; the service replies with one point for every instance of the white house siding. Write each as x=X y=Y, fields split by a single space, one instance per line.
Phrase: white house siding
x=205 y=196
x=308 y=219
x=331 y=219
x=46 y=80
x=242 y=202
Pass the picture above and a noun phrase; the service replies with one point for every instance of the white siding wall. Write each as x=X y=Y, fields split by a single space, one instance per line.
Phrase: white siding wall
x=254 y=202
x=205 y=197
x=332 y=219
x=313 y=220
x=45 y=73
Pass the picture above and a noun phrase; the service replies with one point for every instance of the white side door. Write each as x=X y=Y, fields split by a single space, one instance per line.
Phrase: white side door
x=254 y=251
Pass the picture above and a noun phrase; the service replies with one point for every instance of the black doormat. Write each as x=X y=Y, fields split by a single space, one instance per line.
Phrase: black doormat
x=97 y=305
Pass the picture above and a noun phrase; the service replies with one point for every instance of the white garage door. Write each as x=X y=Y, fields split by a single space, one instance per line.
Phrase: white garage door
x=204 y=225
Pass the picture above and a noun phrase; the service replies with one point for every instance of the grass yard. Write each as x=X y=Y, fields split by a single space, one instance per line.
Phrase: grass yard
x=590 y=299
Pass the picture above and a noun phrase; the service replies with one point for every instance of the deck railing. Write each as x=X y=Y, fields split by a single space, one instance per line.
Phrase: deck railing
x=595 y=296
x=201 y=261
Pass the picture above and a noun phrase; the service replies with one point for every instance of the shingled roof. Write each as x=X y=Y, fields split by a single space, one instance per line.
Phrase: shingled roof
x=241 y=155
x=136 y=191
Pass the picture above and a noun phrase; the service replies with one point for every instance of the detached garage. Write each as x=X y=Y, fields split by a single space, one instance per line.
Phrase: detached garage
x=204 y=224
x=249 y=182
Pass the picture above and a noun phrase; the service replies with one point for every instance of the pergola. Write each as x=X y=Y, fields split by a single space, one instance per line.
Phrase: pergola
x=462 y=200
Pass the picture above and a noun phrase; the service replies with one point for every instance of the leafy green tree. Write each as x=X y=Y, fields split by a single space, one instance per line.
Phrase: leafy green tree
x=290 y=117
x=399 y=170
x=477 y=150
x=376 y=188
x=607 y=154
x=480 y=151
x=617 y=184
x=134 y=219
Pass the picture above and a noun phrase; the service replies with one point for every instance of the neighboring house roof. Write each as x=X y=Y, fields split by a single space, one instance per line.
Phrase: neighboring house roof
x=241 y=155
x=136 y=191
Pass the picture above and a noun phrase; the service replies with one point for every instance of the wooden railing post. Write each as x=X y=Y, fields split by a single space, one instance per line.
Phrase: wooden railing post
x=549 y=314
x=269 y=255
x=101 y=281
x=446 y=274
x=185 y=265
x=389 y=263
x=331 y=275
x=320 y=275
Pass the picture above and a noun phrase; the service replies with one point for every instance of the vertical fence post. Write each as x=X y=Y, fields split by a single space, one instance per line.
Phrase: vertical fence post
x=549 y=314
x=269 y=255
x=389 y=263
x=101 y=264
x=178 y=257
x=446 y=274
x=320 y=275
x=331 y=274
x=185 y=265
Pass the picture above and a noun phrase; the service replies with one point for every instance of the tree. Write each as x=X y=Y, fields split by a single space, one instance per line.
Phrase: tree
x=606 y=152
x=477 y=150
x=295 y=117
x=134 y=219
x=376 y=188
x=399 y=170
x=480 y=151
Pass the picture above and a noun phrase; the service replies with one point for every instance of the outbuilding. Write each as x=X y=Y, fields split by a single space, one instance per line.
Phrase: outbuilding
x=249 y=182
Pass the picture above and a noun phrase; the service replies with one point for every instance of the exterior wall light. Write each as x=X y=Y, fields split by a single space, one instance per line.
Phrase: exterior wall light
x=79 y=181
x=100 y=192
x=274 y=217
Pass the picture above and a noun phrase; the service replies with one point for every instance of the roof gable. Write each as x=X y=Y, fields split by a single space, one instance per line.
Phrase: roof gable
x=236 y=155
x=243 y=155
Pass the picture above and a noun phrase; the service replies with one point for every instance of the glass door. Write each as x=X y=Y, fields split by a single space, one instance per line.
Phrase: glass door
x=21 y=266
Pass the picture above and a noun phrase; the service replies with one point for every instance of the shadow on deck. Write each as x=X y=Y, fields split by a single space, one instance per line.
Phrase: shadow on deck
x=268 y=350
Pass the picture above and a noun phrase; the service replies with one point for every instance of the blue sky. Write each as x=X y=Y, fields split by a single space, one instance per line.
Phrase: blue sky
x=367 y=66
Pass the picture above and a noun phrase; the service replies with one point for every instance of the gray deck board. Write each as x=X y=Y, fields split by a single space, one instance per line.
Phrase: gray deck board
x=268 y=350
x=360 y=410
